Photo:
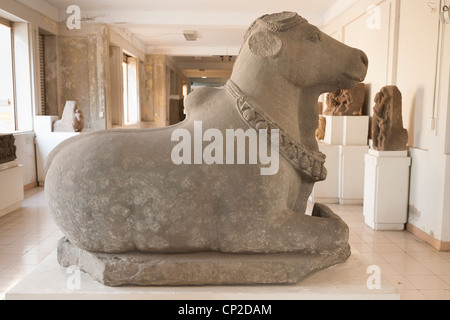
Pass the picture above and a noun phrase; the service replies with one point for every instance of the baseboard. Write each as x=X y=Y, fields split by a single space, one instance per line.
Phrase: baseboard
x=30 y=186
x=422 y=235
x=10 y=209
x=351 y=202
x=323 y=200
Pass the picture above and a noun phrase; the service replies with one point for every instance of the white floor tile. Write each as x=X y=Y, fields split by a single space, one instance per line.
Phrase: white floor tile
x=445 y=278
x=439 y=268
x=412 y=295
x=436 y=294
x=400 y=282
x=427 y=282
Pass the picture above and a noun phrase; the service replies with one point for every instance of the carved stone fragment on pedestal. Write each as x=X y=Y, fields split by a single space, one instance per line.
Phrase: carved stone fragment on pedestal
x=388 y=133
x=7 y=148
x=348 y=102
x=320 y=132
x=72 y=119
x=320 y=107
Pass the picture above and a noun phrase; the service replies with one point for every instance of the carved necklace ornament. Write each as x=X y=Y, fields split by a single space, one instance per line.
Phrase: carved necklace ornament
x=307 y=163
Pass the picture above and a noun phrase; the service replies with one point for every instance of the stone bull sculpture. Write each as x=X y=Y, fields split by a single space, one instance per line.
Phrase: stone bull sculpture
x=123 y=203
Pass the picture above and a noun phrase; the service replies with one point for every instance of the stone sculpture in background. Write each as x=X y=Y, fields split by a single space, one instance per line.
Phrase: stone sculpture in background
x=139 y=218
x=320 y=107
x=320 y=132
x=346 y=102
x=388 y=133
x=72 y=119
x=7 y=148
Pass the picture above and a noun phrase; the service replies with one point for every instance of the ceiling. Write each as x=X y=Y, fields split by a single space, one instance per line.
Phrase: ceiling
x=198 y=5
x=156 y=26
x=213 y=70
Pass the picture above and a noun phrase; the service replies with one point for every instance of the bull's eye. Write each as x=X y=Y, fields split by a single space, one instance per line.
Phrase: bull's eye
x=315 y=37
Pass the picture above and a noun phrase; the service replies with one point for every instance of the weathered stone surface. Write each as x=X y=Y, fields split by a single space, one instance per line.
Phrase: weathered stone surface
x=7 y=148
x=72 y=119
x=119 y=191
x=210 y=268
x=346 y=102
x=388 y=133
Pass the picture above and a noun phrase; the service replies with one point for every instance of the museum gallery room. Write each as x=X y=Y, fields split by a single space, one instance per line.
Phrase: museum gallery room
x=150 y=149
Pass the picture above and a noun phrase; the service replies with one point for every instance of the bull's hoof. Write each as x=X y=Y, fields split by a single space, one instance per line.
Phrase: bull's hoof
x=197 y=268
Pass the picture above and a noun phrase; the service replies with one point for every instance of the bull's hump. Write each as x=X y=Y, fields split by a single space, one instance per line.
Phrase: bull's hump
x=202 y=97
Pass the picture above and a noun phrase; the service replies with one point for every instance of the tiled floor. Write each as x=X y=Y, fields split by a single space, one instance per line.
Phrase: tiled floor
x=27 y=236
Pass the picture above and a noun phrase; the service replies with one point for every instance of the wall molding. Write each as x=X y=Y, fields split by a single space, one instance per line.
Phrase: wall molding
x=30 y=186
x=422 y=235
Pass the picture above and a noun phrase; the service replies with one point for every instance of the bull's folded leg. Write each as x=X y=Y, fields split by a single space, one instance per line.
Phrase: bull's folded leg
x=323 y=211
x=290 y=232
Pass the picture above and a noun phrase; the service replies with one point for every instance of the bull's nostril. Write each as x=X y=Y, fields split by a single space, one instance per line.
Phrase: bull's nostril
x=365 y=59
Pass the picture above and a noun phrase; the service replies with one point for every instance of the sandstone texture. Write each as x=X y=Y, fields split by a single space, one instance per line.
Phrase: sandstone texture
x=346 y=102
x=7 y=148
x=388 y=133
x=209 y=268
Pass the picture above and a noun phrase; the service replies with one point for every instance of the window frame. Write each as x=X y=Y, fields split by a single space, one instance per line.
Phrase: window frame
x=5 y=22
x=23 y=74
x=127 y=106
x=9 y=24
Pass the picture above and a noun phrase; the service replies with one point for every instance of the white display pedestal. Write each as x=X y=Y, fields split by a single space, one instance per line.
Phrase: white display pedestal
x=11 y=186
x=46 y=141
x=44 y=124
x=349 y=281
x=345 y=145
x=347 y=131
x=345 y=179
x=351 y=181
x=386 y=189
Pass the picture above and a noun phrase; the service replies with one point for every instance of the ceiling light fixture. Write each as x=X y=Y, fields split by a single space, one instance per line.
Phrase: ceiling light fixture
x=190 y=35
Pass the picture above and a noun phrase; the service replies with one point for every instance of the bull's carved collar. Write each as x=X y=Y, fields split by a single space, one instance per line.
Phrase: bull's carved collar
x=309 y=164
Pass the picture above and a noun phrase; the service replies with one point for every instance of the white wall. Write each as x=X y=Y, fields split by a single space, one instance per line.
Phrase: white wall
x=408 y=46
x=370 y=25
x=418 y=45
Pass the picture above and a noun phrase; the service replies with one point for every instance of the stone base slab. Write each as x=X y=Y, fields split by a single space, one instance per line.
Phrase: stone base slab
x=347 y=281
x=196 y=268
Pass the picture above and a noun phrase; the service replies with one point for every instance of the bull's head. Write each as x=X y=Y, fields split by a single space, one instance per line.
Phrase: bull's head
x=303 y=55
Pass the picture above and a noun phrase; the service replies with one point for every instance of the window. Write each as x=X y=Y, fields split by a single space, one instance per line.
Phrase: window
x=130 y=90
x=125 y=90
x=7 y=103
x=16 y=98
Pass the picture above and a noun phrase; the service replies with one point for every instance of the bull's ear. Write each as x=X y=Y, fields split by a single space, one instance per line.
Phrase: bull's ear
x=265 y=44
